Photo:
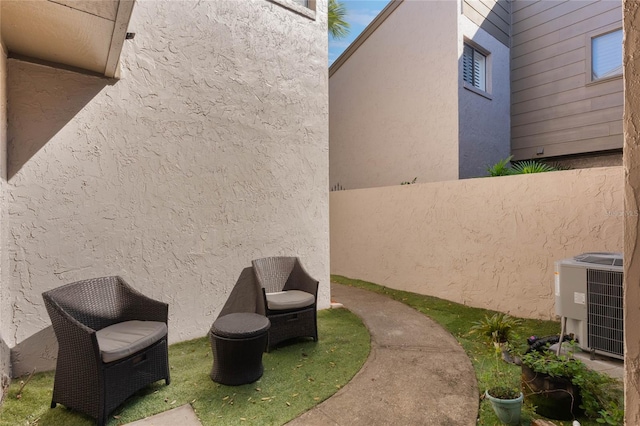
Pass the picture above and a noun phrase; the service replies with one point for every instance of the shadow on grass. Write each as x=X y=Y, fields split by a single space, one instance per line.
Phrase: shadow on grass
x=297 y=376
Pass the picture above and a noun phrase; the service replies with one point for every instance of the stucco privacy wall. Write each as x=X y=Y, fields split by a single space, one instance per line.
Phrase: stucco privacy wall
x=209 y=152
x=632 y=197
x=393 y=103
x=485 y=242
x=484 y=136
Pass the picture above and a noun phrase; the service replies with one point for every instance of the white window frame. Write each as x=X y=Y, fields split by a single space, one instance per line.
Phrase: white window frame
x=487 y=70
x=296 y=6
x=589 y=55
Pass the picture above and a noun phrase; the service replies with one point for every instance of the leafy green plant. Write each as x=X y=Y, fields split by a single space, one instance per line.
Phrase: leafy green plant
x=600 y=394
x=501 y=168
x=497 y=328
x=503 y=384
x=503 y=392
x=336 y=19
x=531 y=166
x=613 y=416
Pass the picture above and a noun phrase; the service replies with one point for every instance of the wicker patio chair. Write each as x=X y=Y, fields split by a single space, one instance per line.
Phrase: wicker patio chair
x=290 y=298
x=112 y=342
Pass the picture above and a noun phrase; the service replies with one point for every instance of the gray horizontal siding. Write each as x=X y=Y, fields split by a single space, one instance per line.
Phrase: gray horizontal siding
x=569 y=123
x=595 y=145
x=548 y=35
x=554 y=107
x=560 y=16
x=569 y=109
x=567 y=96
x=522 y=9
x=493 y=16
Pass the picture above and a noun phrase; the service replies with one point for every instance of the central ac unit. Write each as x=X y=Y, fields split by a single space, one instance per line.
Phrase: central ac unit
x=589 y=296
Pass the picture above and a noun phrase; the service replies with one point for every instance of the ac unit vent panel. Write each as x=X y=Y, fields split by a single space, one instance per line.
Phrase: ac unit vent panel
x=605 y=311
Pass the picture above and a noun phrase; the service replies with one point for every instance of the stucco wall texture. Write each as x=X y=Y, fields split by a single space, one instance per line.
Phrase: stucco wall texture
x=212 y=150
x=631 y=165
x=485 y=242
x=393 y=103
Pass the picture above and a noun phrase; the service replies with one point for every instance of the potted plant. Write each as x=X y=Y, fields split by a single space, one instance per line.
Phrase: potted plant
x=562 y=387
x=504 y=392
x=497 y=328
x=546 y=381
x=504 y=395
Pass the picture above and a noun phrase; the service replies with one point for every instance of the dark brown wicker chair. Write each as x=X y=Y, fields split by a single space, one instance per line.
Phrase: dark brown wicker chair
x=290 y=298
x=92 y=380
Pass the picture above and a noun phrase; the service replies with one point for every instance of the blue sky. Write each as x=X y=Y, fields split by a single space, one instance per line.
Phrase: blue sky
x=359 y=14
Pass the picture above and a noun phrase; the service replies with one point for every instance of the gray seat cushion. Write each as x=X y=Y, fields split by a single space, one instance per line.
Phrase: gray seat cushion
x=125 y=338
x=290 y=299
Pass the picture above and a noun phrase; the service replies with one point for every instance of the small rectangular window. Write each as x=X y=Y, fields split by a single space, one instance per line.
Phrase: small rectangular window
x=606 y=55
x=474 y=67
x=303 y=7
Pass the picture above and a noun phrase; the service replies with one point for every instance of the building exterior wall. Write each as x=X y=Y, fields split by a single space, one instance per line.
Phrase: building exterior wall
x=556 y=110
x=584 y=161
x=631 y=208
x=488 y=242
x=493 y=16
x=393 y=103
x=484 y=119
x=211 y=151
x=5 y=368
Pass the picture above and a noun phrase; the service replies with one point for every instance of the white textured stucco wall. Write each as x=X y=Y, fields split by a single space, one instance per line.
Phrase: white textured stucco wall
x=486 y=242
x=393 y=103
x=212 y=150
x=485 y=124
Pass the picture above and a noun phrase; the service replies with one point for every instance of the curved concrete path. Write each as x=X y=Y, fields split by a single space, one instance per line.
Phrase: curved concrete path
x=416 y=373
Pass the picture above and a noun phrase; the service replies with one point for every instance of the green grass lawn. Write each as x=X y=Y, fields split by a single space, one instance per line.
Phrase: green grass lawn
x=296 y=377
x=457 y=319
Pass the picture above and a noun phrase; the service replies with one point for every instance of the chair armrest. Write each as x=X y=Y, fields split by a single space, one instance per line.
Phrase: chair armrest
x=299 y=279
x=71 y=334
x=141 y=307
x=59 y=315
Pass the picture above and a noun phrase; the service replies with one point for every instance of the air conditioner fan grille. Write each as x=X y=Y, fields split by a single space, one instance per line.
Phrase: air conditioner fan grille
x=604 y=311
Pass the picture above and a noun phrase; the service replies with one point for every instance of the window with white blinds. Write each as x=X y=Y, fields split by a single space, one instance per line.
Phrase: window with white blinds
x=606 y=55
x=474 y=67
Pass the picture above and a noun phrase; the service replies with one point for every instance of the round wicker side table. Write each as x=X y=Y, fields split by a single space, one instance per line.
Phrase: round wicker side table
x=237 y=343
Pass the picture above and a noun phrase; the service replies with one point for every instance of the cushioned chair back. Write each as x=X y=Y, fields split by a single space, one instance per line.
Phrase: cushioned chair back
x=96 y=303
x=272 y=272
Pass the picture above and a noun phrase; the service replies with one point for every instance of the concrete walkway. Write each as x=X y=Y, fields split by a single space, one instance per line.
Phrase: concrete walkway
x=416 y=373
